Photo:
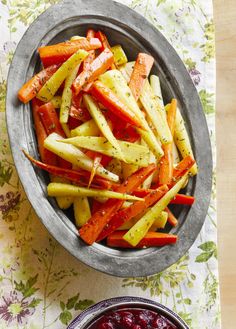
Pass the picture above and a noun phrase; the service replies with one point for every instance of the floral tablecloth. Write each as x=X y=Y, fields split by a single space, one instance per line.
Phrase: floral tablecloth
x=41 y=284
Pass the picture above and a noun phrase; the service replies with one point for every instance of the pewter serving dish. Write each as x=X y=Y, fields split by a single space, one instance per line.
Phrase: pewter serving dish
x=124 y=26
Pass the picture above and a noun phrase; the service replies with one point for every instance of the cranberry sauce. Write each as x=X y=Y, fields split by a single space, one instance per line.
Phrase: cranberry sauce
x=132 y=319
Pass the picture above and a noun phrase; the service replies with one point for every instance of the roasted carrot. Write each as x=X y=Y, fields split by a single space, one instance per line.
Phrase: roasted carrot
x=99 y=65
x=91 y=230
x=51 y=123
x=130 y=212
x=166 y=163
x=105 y=44
x=49 y=118
x=181 y=199
x=103 y=39
x=32 y=87
x=60 y=52
x=80 y=113
x=151 y=239
x=127 y=133
x=41 y=134
x=182 y=168
x=178 y=199
x=80 y=177
x=90 y=34
x=110 y=101
x=142 y=68
x=73 y=123
x=171 y=217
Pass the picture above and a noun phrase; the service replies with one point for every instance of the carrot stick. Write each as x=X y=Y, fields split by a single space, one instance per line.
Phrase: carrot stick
x=171 y=217
x=32 y=87
x=45 y=155
x=126 y=133
x=135 y=209
x=60 y=52
x=180 y=199
x=182 y=168
x=96 y=206
x=80 y=113
x=142 y=68
x=105 y=44
x=91 y=230
x=51 y=123
x=80 y=177
x=151 y=239
x=88 y=60
x=166 y=163
x=97 y=67
x=49 y=118
x=107 y=98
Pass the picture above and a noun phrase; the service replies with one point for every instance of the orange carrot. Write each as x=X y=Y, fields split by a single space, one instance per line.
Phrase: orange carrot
x=107 y=98
x=142 y=68
x=124 y=215
x=171 y=217
x=80 y=177
x=41 y=134
x=166 y=163
x=91 y=230
x=80 y=113
x=97 y=67
x=32 y=87
x=51 y=123
x=183 y=199
x=105 y=44
x=49 y=118
x=182 y=168
x=60 y=52
x=88 y=60
x=151 y=239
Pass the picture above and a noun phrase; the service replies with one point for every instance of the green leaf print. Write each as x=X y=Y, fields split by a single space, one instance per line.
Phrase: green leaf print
x=209 y=249
x=71 y=302
x=5 y=173
x=27 y=288
x=83 y=304
x=65 y=317
x=209 y=46
x=207 y=101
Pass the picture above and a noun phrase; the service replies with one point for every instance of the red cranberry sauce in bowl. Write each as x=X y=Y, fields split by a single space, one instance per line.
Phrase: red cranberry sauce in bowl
x=132 y=319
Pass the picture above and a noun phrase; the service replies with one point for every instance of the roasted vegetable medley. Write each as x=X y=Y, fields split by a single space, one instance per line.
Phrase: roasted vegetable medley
x=113 y=150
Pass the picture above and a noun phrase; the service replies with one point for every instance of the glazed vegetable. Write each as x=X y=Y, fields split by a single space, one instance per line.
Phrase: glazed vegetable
x=49 y=89
x=166 y=163
x=73 y=155
x=89 y=128
x=119 y=55
x=67 y=95
x=91 y=230
x=33 y=86
x=124 y=215
x=99 y=65
x=182 y=140
x=171 y=217
x=79 y=113
x=101 y=122
x=151 y=239
x=109 y=100
x=80 y=177
x=132 y=153
x=114 y=80
x=60 y=52
x=141 y=70
x=139 y=230
x=91 y=56
x=81 y=210
x=60 y=189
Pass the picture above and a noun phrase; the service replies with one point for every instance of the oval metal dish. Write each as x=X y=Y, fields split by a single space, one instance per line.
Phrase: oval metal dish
x=59 y=23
